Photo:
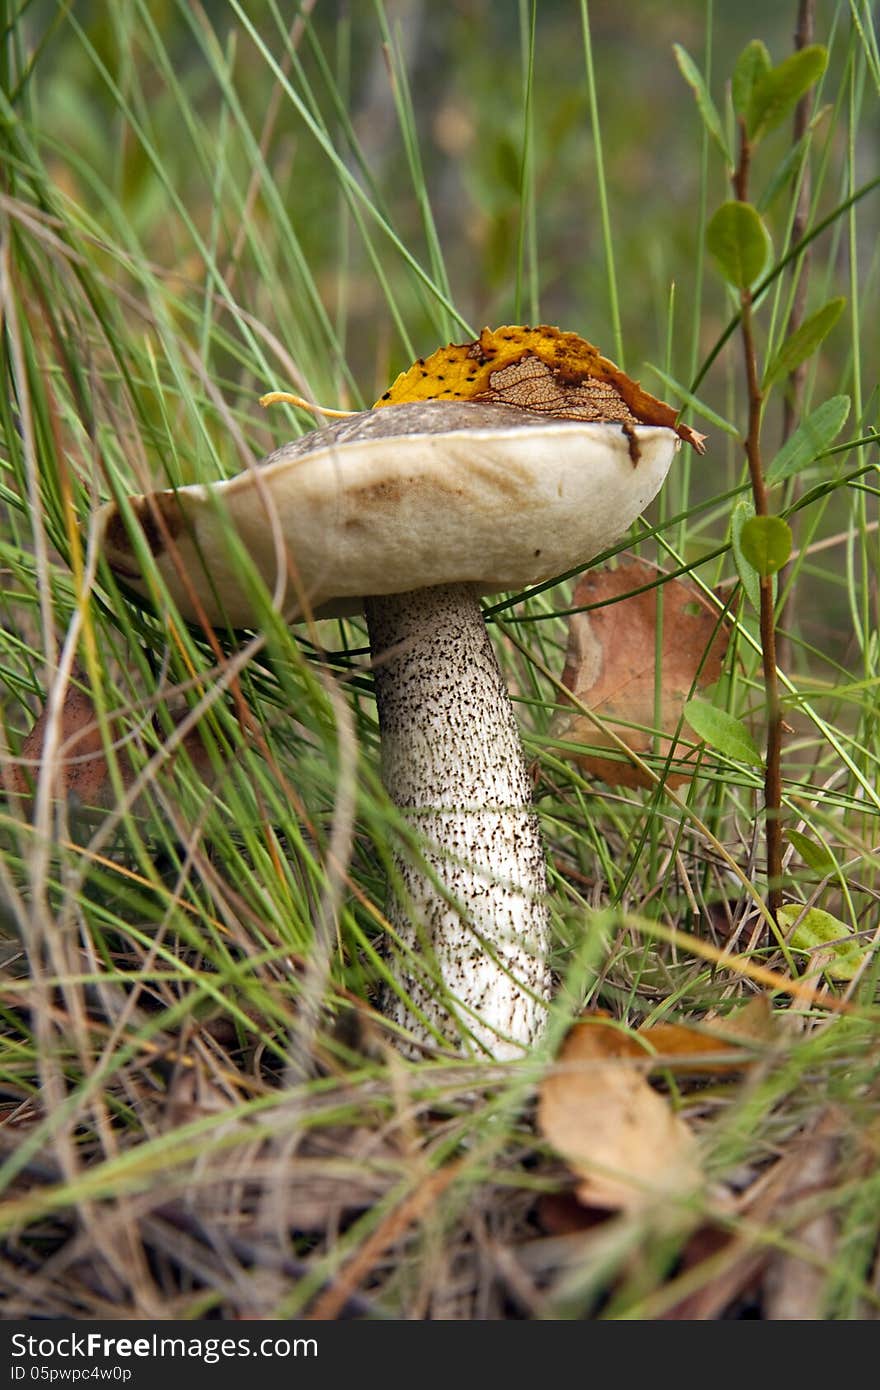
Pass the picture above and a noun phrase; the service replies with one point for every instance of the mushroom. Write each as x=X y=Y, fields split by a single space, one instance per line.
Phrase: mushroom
x=412 y=512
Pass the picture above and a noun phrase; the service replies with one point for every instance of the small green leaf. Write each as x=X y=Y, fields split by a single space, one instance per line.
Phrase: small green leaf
x=742 y=513
x=751 y=65
x=706 y=106
x=804 y=341
x=776 y=93
x=816 y=433
x=816 y=857
x=820 y=931
x=740 y=243
x=766 y=543
x=722 y=731
x=786 y=167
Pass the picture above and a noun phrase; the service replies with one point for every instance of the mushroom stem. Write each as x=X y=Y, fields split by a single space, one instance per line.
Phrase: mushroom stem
x=470 y=914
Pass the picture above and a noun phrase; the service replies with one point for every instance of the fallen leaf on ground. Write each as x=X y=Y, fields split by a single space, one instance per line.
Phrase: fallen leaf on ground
x=81 y=765
x=625 y=1144
x=724 y=1045
x=561 y=1214
x=611 y=665
x=835 y=949
x=82 y=773
x=754 y=1023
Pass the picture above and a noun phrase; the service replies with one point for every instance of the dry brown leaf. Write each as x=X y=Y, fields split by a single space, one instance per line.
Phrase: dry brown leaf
x=82 y=773
x=561 y=1214
x=725 y=1045
x=682 y=1049
x=622 y=1138
x=611 y=661
x=541 y=369
x=82 y=765
x=755 y=1024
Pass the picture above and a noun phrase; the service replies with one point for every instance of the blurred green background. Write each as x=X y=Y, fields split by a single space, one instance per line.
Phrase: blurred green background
x=464 y=62
x=212 y=155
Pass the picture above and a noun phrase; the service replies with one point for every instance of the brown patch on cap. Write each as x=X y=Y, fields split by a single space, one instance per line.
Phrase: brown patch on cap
x=388 y=493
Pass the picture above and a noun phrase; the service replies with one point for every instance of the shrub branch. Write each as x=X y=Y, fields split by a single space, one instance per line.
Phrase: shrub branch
x=773 y=767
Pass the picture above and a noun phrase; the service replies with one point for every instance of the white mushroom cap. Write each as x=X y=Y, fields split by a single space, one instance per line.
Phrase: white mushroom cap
x=403 y=498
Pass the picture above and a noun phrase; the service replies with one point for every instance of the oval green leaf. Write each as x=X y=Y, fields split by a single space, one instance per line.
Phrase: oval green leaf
x=705 y=105
x=751 y=65
x=783 y=173
x=818 y=930
x=776 y=93
x=766 y=543
x=722 y=731
x=743 y=512
x=816 y=433
x=739 y=242
x=816 y=857
x=804 y=341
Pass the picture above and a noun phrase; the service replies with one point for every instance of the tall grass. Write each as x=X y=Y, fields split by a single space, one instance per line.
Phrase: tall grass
x=203 y=1113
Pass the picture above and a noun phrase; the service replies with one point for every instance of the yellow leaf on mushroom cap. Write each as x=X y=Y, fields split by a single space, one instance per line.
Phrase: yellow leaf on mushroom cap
x=540 y=369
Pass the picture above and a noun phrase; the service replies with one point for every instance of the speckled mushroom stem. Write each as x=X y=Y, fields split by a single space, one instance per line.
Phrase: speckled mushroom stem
x=471 y=918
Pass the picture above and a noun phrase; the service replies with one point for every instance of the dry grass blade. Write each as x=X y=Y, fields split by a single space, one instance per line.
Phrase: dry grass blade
x=387 y=1233
x=794 y=1284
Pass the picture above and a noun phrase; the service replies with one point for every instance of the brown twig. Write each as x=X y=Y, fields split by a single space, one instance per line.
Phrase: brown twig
x=773 y=768
x=791 y=407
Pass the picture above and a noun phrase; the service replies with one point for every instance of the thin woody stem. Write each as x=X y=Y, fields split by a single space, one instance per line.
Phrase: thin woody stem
x=741 y=173
x=791 y=404
x=773 y=769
